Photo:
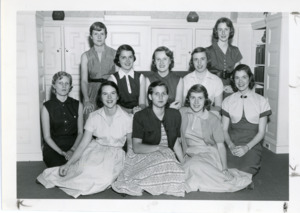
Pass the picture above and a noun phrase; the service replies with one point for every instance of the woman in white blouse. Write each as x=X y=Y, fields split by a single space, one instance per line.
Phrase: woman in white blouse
x=244 y=118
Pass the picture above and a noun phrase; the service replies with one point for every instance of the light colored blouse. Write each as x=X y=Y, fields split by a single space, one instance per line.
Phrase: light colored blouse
x=254 y=106
x=106 y=134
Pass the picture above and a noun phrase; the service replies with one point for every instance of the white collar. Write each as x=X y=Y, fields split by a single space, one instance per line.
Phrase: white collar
x=207 y=74
x=122 y=73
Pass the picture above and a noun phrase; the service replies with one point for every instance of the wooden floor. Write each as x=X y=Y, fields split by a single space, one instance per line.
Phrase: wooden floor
x=271 y=183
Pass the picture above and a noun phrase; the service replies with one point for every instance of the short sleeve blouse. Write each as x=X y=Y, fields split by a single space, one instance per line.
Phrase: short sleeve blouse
x=252 y=104
x=113 y=134
x=220 y=61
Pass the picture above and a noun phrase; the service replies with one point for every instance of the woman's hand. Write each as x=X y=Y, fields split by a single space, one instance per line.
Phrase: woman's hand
x=88 y=107
x=240 y=151
x=63 y=170
x=69 y=154
x=136 y=109
x=228 y=89
x=232 y=148
x=175 y=105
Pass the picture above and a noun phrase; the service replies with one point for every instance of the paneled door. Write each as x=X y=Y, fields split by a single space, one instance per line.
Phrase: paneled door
x=180 y=41
x=28 y=104
x=76 y=40
x=203 y=37
x=137 y=37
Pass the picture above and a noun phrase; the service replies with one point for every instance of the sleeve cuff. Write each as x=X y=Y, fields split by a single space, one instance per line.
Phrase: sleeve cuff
x=223 y=112
x=266 y=113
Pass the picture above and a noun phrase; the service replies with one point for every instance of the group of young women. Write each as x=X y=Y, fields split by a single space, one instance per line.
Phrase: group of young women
x=174 y=128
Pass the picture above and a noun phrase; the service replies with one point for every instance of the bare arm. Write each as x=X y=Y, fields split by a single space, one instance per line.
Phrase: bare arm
x=147 y=85
x=178 y=150
x=242 y=150
x=46 y=131
x=79 y=132
x=142 y=97
x=87 y=137
x=225 y=123
x=179 y=93
x=140 y=148
x=88 y=106
x=237 y=63
x=217 y=103
x=222 y=152
x=129 y=141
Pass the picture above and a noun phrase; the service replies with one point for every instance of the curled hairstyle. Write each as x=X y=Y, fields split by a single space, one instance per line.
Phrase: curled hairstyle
x=168 y=52
x=119 y=50
x=98 y=26
x=59 y=75
x=198 y=50
x=99 y=94
x=150 y=91
x=198 y=88
x=228 y=24
x=246 y=68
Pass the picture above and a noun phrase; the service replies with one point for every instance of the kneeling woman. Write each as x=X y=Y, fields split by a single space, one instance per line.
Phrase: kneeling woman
x=203 y=144
x=152 y=165
x=99 y=158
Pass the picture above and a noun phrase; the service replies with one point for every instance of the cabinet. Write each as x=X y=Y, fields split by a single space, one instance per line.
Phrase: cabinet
x=65 y=44
x=63 y=49
x=276 y=79
x=180 y=41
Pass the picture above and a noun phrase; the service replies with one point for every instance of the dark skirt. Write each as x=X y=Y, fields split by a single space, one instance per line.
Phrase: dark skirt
x=51 y=157
x=242 y=133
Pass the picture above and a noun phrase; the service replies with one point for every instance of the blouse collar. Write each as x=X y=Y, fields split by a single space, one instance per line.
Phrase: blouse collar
x=122 y=73
x=203 y=115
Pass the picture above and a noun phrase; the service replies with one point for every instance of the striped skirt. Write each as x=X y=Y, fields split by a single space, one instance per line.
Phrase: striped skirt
x=157 y=173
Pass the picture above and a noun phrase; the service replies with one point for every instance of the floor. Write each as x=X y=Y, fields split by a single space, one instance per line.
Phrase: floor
x=271 y=183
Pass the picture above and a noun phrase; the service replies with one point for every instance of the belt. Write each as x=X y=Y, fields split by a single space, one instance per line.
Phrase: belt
x=100 y=80
x=221 y=73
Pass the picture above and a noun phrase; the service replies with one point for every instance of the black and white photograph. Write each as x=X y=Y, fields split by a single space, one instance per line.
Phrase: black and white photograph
x=150 y=107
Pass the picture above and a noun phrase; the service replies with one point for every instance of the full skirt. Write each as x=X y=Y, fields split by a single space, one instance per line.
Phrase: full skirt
x=157 y=173
x=203 y=170
x=94 y=172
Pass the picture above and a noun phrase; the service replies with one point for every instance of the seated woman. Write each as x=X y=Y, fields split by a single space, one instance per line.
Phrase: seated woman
x=200 y=75
x=203 y=143
x=244 y=118
x=224 y=57
x=162 y=64
x=62 y=122
x=152 y=165
x=131 y=84
x=99 y=158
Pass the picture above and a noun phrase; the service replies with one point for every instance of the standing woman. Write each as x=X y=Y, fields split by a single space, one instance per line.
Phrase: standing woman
x=200 y=75
x=223 y=56
x=152 y=165
x=244 y=119
x=131 y=84
x=162 y=64
x=202 y=137
x=99 y=158
x=96 y=65
x=62 y=122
